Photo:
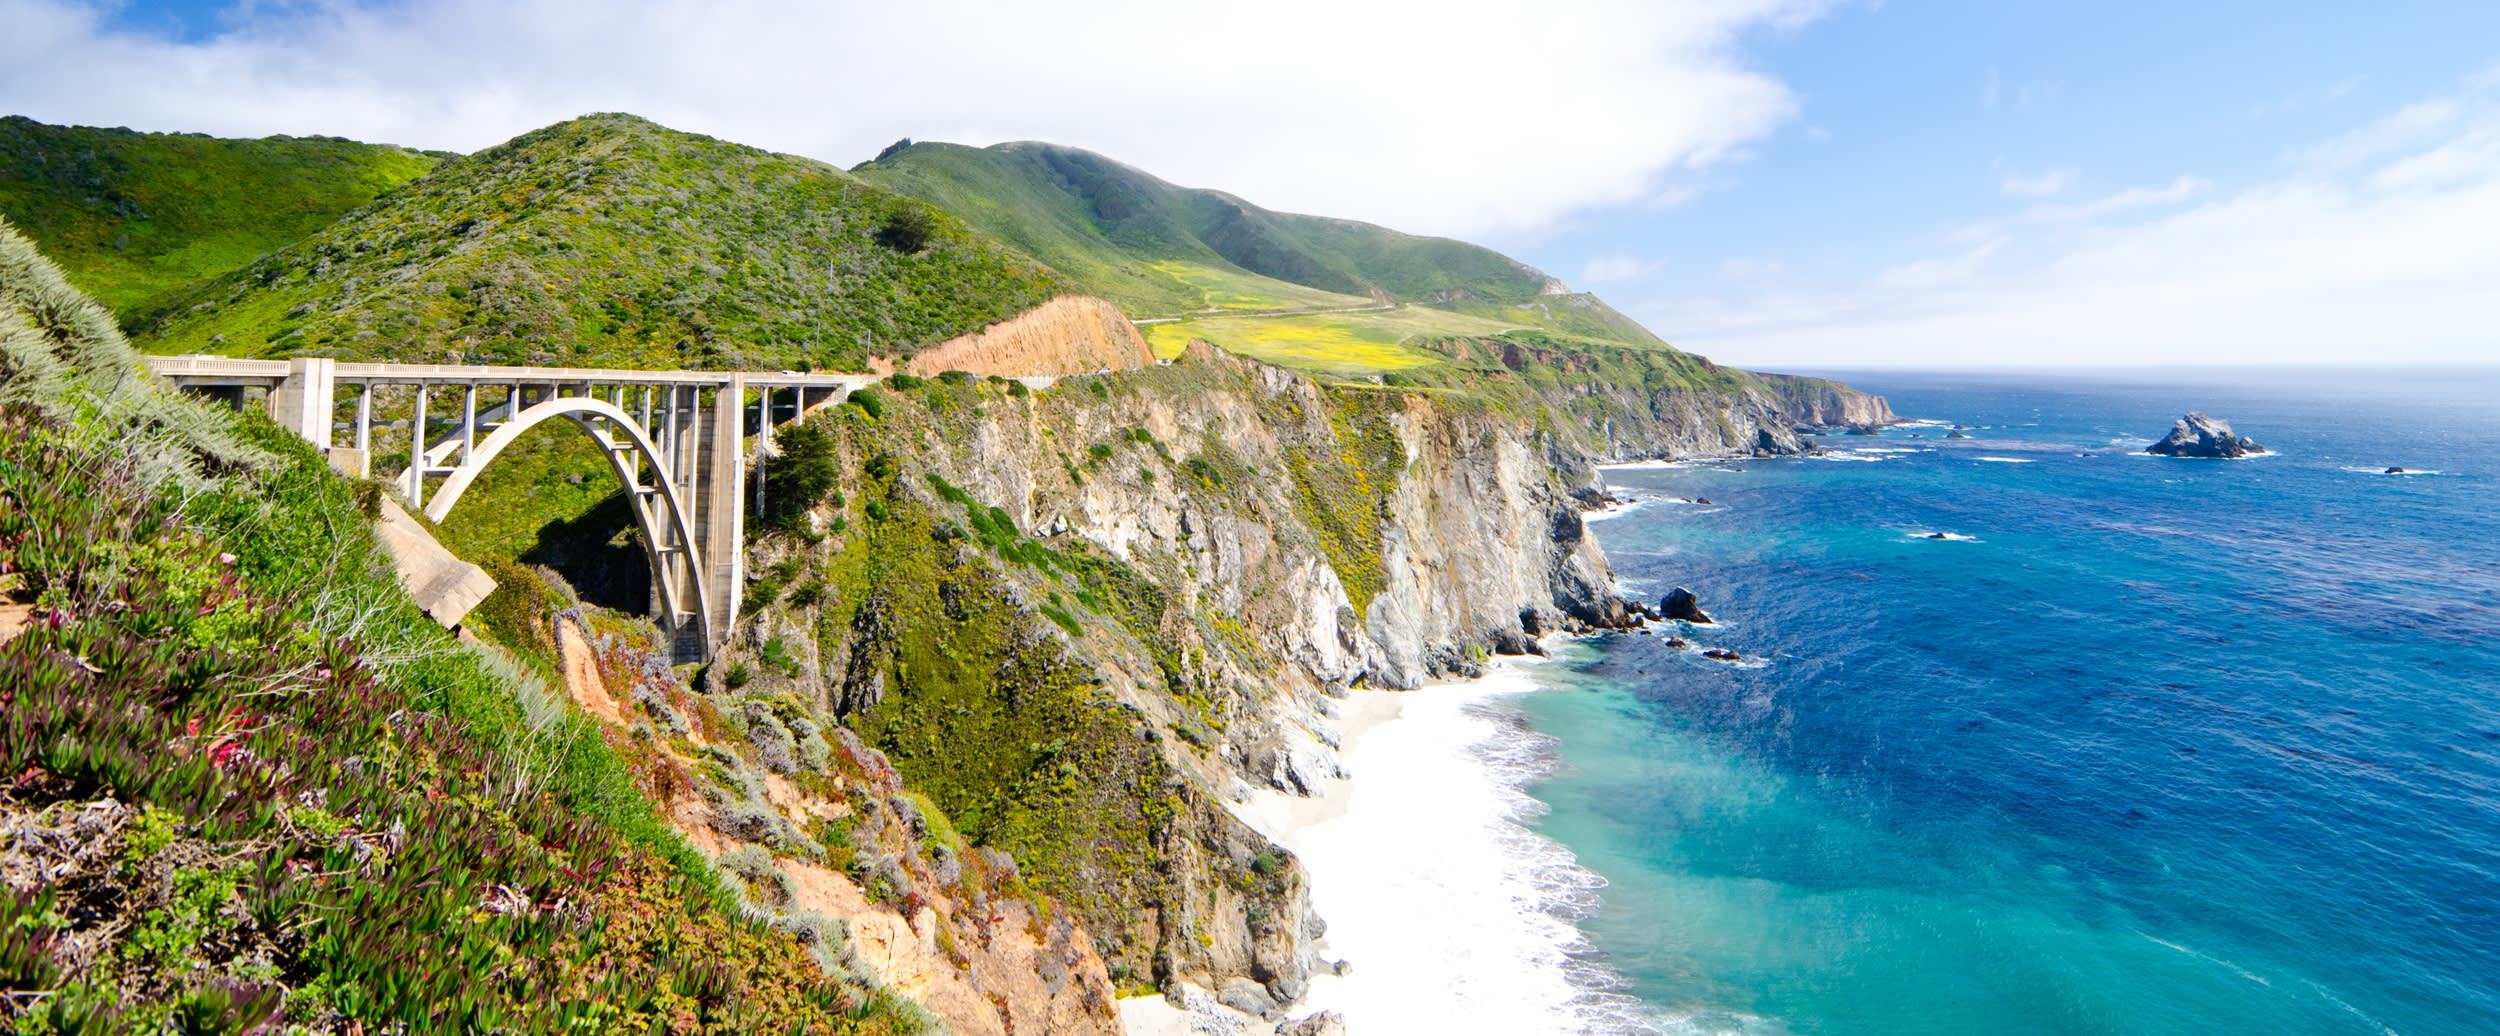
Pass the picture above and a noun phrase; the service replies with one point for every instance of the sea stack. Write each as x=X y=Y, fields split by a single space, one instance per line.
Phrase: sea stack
x=2197 y=435
x=1682 y=604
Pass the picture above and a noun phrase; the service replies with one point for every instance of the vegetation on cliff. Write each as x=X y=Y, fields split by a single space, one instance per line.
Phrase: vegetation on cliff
x=608 y=241
x=249 y=784
x=130 y=216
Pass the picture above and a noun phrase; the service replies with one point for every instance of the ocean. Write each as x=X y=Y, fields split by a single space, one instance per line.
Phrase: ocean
x=2144 y=746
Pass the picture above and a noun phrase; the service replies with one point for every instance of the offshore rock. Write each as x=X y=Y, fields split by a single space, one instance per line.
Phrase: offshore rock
x=2197 y=435
x=1681 y=604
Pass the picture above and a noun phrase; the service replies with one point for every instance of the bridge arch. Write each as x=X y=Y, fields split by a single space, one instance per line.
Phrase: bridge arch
x=661 y=510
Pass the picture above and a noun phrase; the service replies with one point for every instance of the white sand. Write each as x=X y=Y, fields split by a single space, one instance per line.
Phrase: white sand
x=1434 y=893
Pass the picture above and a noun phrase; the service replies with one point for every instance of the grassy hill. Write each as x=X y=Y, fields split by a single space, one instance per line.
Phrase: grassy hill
x=1163 y=250
x=610 y=241
x=1331 y=296
x=256 y=790
x=130 y=216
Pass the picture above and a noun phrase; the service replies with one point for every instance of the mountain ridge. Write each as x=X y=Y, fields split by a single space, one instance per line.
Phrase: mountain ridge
x=609 y=240
x=1077 y=205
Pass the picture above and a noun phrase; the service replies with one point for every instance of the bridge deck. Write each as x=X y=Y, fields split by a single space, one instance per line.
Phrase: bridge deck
x=694 y=449
x=222 y=370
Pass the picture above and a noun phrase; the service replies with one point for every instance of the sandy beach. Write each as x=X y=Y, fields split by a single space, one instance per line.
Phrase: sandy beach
x=1435 y=894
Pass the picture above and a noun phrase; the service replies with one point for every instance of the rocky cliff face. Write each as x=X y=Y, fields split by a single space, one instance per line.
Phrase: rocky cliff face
x=1753 y=416
x=1084 y=620
x=1129 y=598
x=1622 y=404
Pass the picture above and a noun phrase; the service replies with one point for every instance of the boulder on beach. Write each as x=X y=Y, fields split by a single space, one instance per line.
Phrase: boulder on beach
x=2197 y=435
x=1681 y=604
x=1325 y=1023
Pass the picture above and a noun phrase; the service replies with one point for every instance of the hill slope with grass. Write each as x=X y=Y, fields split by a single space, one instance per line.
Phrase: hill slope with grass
x=249 y=787
x=1163 y=250
x=610 y=241
x=1333 y=297
x=130 y=216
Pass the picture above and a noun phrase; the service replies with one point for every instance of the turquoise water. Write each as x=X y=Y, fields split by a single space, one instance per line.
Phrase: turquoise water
x=2161 y=746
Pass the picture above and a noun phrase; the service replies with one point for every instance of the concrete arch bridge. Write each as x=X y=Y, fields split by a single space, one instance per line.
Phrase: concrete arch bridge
x=677 y=441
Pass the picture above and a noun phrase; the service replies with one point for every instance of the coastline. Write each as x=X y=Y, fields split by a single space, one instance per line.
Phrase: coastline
x=1450 y=915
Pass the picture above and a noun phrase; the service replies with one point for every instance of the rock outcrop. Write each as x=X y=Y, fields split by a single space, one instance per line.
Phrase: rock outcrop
x=1682 y=605
x=1628 y=412
x=2197 y=435
x=1325 y=1023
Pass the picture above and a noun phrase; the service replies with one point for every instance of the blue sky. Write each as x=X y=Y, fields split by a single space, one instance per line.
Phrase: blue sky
x=1919 y=122
x=1772 y=182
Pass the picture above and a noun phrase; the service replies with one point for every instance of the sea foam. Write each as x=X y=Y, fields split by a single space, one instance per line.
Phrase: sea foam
x=1456 y=918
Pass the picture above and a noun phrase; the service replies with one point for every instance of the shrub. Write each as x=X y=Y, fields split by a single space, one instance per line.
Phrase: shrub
x=869 y=401
x=799 y=477
x=906 y=229
x=808 y=594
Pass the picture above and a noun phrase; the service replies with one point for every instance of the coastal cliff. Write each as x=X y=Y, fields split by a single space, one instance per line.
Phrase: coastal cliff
x=1088 y=621
x=1618 y=404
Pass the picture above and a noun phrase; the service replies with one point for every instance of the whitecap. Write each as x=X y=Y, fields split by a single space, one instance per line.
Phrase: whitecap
x=1616 y=510
x=2008 y=460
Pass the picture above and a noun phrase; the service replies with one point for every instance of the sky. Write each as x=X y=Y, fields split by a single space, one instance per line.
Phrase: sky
x=1775 y=183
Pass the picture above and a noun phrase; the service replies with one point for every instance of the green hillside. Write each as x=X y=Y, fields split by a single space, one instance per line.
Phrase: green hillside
x=610 y=241
x=1163 y=250
x=130 y=216
x=1330 y=296
x=258 y=791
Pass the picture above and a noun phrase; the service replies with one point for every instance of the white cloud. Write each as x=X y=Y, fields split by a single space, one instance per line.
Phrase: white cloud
x=2178 y=191
x=2039 y=185
x=1607 y=269
x=2389 y=261
x=1379 y=111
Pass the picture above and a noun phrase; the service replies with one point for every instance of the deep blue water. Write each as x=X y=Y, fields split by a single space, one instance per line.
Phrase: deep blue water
x=2166 y=746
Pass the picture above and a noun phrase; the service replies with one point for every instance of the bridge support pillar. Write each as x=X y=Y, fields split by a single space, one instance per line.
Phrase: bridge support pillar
x=301 y=402
x=721 y=486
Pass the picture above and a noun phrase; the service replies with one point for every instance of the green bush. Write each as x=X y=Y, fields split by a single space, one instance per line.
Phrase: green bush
x=799 y=478
x=906 y=229
x=869 y=401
